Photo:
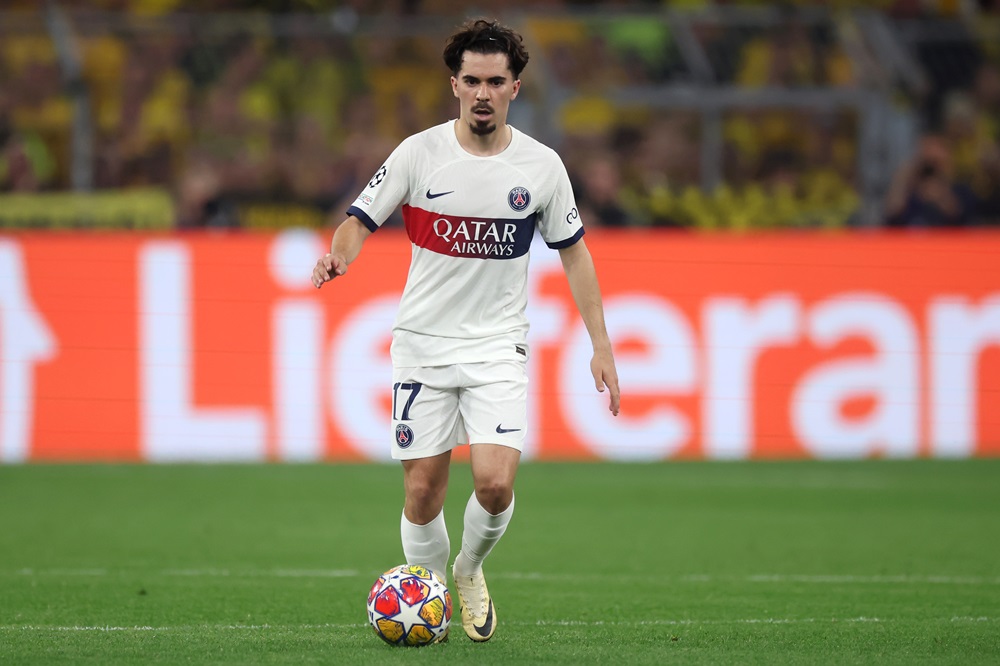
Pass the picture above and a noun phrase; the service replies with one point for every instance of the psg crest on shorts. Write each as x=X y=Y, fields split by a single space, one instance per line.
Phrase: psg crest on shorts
x=404 y=436
x=519 y=198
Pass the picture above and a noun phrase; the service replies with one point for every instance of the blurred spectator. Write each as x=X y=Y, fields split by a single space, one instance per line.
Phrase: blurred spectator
x=25 y=163
x=37 y=111
x=659 y=158
x=988 y=211
x=362 y=154
x=644 y=47
x=985 y=20
x=986 y=95
x=970 y=126
x=598 y=192
x=785 y=57
x=985 y=178
x=395 y=70
x=924 y=193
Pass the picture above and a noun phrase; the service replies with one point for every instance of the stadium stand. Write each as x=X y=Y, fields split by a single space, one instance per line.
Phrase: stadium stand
x=694 y=114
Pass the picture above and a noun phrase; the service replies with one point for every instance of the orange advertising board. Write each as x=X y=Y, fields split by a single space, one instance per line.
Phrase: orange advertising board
x=202 y=346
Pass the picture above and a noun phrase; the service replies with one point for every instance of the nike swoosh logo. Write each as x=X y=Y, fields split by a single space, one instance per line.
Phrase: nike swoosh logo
x=487 y=627
x=501 y=431
x=438 y=194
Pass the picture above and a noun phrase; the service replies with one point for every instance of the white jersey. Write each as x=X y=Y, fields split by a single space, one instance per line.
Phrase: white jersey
x=470 y=221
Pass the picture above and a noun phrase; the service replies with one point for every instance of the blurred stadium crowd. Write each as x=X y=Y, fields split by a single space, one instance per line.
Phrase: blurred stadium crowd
x=275 y=113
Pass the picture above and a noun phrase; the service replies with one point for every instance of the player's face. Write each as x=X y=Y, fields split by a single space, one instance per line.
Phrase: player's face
x=485 y=86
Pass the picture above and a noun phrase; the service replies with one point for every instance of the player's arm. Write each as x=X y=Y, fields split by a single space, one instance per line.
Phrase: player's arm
x=582 y=276
x=344 y=249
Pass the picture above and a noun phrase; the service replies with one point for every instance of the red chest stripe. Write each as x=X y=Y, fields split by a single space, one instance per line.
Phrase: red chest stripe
x=472 y=237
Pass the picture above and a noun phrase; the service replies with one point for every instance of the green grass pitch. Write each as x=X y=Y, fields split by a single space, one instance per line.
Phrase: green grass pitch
x=880 y=562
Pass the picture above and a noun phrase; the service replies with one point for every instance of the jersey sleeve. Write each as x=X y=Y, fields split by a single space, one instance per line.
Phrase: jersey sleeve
x=388 y=188
x=559 y=222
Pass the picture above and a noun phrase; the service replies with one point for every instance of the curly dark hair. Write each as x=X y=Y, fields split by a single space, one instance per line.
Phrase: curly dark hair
x=483 y=36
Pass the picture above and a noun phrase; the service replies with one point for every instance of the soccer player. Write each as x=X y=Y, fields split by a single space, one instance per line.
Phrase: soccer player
x=472 y=191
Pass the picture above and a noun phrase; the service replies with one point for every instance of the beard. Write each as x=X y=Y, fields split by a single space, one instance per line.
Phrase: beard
x=482 y=128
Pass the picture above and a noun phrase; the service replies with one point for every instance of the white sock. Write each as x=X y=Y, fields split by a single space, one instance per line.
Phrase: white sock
x=426 y=545
x=481 y=532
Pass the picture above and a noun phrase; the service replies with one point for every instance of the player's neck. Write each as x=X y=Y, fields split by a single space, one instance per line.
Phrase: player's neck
x=483 y=145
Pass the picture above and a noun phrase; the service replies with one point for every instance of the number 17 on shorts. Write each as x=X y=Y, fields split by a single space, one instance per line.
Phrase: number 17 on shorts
x=437 y=408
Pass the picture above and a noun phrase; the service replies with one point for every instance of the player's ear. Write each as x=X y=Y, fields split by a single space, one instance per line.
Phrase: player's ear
x=454 y=86
x=517 y=86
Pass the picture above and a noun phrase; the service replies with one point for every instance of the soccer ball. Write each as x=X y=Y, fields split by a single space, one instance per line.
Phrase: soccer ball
x=410 y=606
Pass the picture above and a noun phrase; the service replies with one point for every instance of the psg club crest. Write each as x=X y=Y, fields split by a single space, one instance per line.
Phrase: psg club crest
x=519 y=198
x=404 y=436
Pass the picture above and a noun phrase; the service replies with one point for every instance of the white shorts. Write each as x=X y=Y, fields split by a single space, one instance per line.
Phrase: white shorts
x=434 y=409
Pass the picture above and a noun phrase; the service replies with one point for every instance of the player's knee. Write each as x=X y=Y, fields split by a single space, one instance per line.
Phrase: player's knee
x=494 y=495
x=424 y=502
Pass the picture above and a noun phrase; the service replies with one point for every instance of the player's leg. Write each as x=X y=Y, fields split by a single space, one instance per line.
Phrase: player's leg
x=422 y=528
x=491 y=505
x=495 y=413
x=487 y=515
x=425 y=422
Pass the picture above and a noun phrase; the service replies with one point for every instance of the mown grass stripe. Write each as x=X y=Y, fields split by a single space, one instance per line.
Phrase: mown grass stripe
x=536 y=623
x=845 y=579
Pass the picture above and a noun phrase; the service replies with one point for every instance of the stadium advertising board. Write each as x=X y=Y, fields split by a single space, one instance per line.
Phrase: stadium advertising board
x=151 y=347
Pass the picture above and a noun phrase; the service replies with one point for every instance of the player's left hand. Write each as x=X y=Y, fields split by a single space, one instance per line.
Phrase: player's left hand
x=602 y=365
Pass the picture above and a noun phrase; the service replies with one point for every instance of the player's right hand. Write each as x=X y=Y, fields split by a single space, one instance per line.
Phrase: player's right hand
x=328 y=267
